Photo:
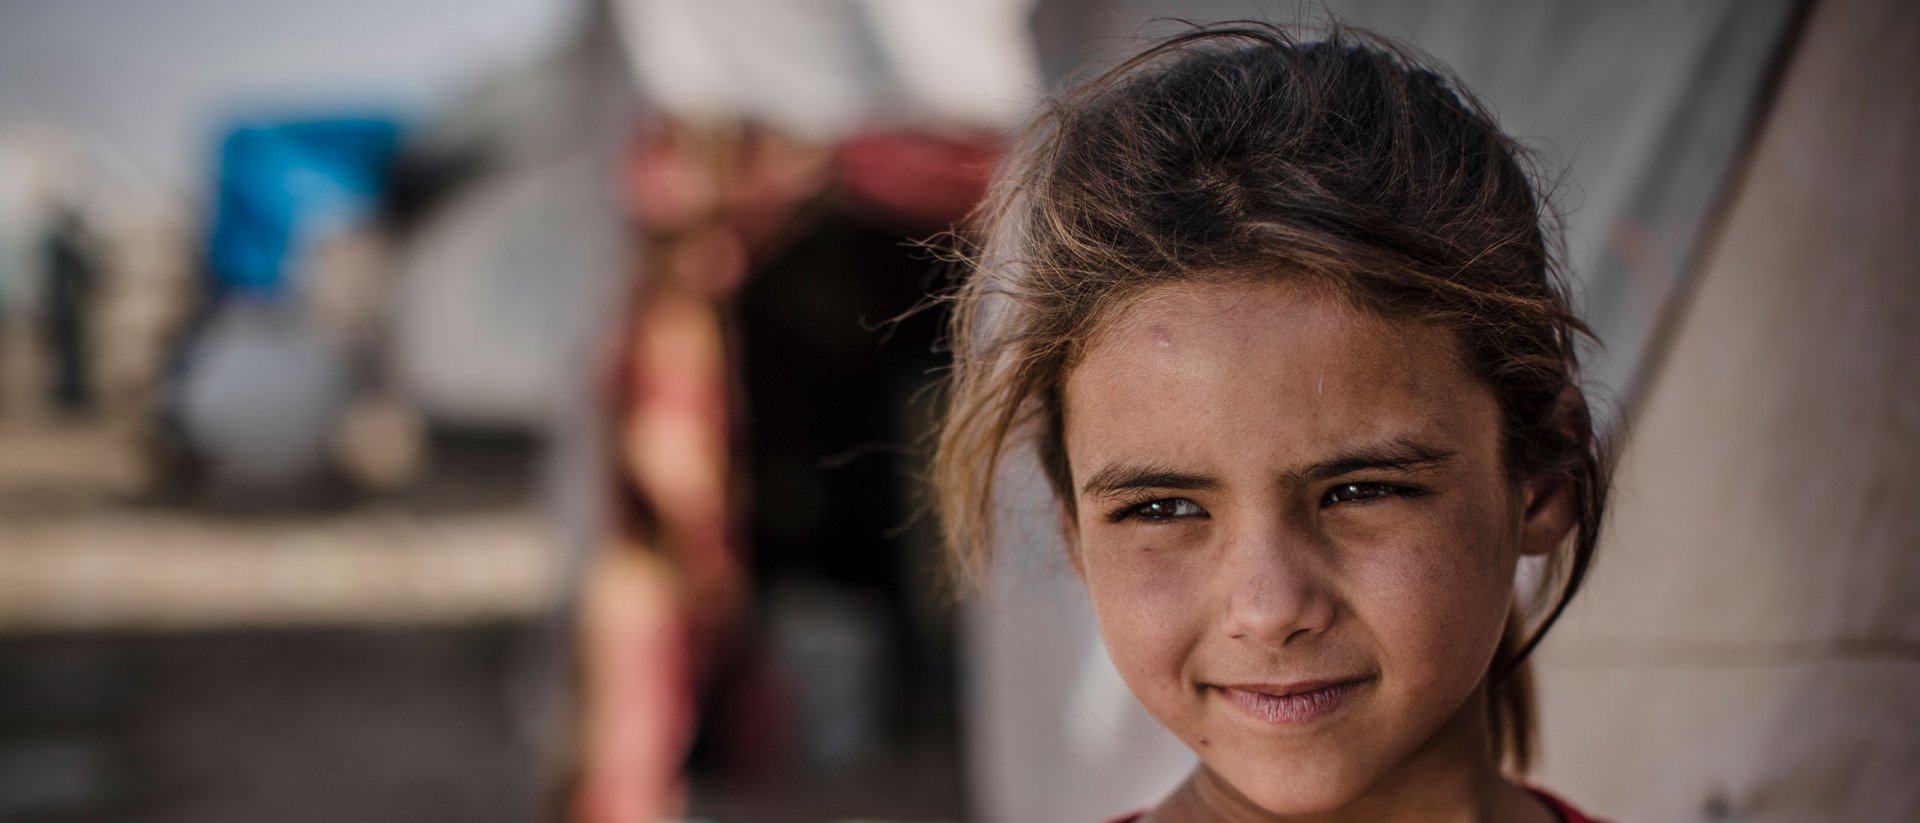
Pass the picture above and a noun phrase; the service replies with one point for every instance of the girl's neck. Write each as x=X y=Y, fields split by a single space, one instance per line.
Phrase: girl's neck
x=1452 y=779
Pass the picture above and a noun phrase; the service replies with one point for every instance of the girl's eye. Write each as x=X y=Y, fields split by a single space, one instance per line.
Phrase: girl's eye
x=1365 y=492
x=1160 y=511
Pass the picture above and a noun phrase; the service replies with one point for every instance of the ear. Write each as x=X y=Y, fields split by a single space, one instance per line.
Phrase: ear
x=1549 y=499
x=1550 y=513
x=1070 y=538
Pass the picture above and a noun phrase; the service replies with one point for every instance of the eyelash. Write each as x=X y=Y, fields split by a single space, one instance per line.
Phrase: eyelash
x=1367 y=492
x=1372 y=492
x=1138 y=508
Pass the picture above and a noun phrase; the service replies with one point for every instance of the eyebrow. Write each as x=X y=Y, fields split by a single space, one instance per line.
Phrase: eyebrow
x=1124 y=476
x=1399 y=454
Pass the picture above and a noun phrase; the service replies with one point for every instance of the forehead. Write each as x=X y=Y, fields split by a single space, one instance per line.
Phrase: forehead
x=1274 y=364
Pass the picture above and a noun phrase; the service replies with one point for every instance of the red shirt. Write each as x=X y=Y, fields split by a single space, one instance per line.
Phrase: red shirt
x=1568 y=814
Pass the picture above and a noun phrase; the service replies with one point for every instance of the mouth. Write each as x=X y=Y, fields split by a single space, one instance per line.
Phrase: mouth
x=1291 y=703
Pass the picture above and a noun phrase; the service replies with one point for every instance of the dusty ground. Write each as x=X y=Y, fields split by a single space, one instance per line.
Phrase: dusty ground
x=388 y=660
x=85 y=548
x=168 y=662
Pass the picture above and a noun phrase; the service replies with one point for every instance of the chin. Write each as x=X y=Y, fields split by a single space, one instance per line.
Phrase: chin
x=1288 y=802
x=1297 y=788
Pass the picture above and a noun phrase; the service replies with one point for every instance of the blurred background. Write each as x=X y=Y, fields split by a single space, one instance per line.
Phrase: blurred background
x=512 y=409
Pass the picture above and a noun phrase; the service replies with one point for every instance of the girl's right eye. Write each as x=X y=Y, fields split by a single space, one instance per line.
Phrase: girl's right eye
x=1160 y=510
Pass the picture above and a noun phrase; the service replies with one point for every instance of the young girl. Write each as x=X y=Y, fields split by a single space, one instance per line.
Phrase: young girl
x=1282 y=323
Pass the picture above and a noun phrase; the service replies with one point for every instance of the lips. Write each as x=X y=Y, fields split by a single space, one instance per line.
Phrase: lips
x=1291 y=702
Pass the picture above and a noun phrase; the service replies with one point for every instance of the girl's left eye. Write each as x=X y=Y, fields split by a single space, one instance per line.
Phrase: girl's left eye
x=1159 y=511
x=1365 y=492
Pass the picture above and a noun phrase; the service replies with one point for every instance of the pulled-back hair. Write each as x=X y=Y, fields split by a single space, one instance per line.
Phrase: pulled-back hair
x=1237 y=153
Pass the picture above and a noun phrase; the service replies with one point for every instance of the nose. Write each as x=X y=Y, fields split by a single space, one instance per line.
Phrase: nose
x=1276 y=588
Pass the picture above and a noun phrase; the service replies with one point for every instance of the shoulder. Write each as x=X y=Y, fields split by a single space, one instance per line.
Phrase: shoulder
x=1568 y=814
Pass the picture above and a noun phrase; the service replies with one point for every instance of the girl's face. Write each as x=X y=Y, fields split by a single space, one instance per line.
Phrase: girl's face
x=1297 y=535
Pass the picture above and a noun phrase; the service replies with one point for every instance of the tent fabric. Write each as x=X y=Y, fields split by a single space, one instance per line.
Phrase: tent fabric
x=822 y=68
x=281 y=183
x=1746 y=646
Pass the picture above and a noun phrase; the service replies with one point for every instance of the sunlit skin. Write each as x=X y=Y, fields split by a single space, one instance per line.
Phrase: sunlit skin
x=1275 y=493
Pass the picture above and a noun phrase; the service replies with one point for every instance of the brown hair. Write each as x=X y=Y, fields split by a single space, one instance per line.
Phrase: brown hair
x=1239 y=153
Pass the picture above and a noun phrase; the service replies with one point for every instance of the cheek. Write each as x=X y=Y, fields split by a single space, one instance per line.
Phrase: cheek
x=1149 y=601
x=1436 y=596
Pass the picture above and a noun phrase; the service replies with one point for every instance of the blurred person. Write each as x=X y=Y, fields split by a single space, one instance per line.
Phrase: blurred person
x=1283 y=323
x=707 y=428
x=767 y=119
x=669 y=593
x=70 y=273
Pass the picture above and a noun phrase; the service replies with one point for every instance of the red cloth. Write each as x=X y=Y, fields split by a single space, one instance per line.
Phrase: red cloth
x=919 y=181
x=1568 y=814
